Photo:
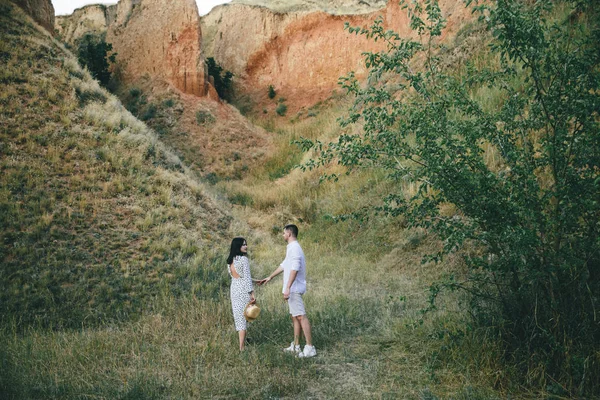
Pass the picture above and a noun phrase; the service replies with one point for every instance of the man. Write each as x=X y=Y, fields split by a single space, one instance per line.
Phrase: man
x=294 y=286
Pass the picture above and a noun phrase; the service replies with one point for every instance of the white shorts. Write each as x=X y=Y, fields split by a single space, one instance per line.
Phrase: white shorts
x=296 y=305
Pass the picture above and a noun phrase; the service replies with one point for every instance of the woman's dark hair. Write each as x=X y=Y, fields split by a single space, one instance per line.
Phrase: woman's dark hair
x=236 y=249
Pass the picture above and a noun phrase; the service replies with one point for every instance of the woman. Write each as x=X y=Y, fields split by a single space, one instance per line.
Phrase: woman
x=241 y=292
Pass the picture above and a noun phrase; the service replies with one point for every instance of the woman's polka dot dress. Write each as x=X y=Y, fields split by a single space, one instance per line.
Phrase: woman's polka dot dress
x=240 y=290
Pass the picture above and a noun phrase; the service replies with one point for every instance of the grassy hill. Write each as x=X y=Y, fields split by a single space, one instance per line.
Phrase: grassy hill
x=98 y=217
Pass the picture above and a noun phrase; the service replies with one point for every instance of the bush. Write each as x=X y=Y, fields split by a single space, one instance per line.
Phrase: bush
x=92 y=52
x=272 y=92
x=135 y=92
x=241 y=199
x=149 y=113
x=223 y=79
x=524 y=174
x=204 y=117
x=212 y=178
x=281 y=109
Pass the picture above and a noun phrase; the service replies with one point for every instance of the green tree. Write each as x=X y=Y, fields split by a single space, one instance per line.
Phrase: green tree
x=93 y=53
x=272 y=92
x=223 y=79
x=527 y=223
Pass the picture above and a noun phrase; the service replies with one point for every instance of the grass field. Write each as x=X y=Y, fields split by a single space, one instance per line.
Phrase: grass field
x=113 y=278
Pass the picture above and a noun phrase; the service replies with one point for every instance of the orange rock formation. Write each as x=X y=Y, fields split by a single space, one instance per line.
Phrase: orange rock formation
x=160 y=39
x=302 y=54
x=42 y=11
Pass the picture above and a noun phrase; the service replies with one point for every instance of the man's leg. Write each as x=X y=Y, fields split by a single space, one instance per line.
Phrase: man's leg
x=297 y=330
x=305 y=324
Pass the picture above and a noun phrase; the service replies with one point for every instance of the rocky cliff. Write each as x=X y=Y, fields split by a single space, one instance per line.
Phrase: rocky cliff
x=160 y=38
x=301 y=52
x=156 y=38
x=93 y=18
x=42 y=11
x=336 y=7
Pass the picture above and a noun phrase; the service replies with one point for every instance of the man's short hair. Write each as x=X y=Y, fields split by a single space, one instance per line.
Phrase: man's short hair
x=293 y=229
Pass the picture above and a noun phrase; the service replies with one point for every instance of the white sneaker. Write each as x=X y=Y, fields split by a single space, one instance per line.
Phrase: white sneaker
x=309 y=351
x=293 y=349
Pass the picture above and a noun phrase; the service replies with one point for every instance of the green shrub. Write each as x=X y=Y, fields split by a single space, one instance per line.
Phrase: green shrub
x=523 y=173
x=241 y=199
x=86 y=95
x=212 y=178
x=135 y=92
x=281 y=109
x=204 y=117
x=272 y=92
x=223 y=79
x=93 y=52
x=149 y=113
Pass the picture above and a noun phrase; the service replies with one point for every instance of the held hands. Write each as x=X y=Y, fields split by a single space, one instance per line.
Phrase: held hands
x=263 y=281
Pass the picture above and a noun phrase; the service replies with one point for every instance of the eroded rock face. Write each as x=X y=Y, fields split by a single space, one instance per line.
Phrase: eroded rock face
x=160 y=39
x=301 y=53
x=336 y=7
x=94 y=18
x=42 y=11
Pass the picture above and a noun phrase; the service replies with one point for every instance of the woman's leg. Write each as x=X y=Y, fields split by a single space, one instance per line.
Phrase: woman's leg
x=242 y=335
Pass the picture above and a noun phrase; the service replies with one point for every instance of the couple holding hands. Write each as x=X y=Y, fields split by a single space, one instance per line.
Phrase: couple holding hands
x=294 y=286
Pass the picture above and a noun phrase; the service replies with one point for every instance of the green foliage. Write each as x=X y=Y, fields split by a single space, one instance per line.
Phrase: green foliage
x=212 y=178
x=223 y=79
x=135 y=92
x=272 y=92
x=524 y=175
x=204 y=117
x=93 y=52
x=149 y=113
x=281 y=109
x=241 y=199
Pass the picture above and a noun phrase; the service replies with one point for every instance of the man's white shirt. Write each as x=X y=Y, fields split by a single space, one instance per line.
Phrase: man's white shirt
x=294 y=260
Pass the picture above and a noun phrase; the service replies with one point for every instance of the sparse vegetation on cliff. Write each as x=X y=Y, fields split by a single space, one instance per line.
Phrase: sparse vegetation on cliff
x=204 y=117
x=223 y=79
x=271 y=92
x=96 y=55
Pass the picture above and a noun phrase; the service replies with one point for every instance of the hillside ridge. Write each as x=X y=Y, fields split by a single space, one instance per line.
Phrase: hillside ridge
x=98 y=215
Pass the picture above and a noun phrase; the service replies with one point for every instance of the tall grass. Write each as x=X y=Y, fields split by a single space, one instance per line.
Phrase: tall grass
x=366 y=330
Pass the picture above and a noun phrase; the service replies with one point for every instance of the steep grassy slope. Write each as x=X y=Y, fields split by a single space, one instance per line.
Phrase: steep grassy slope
x=97 y=216
x=211 y=137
